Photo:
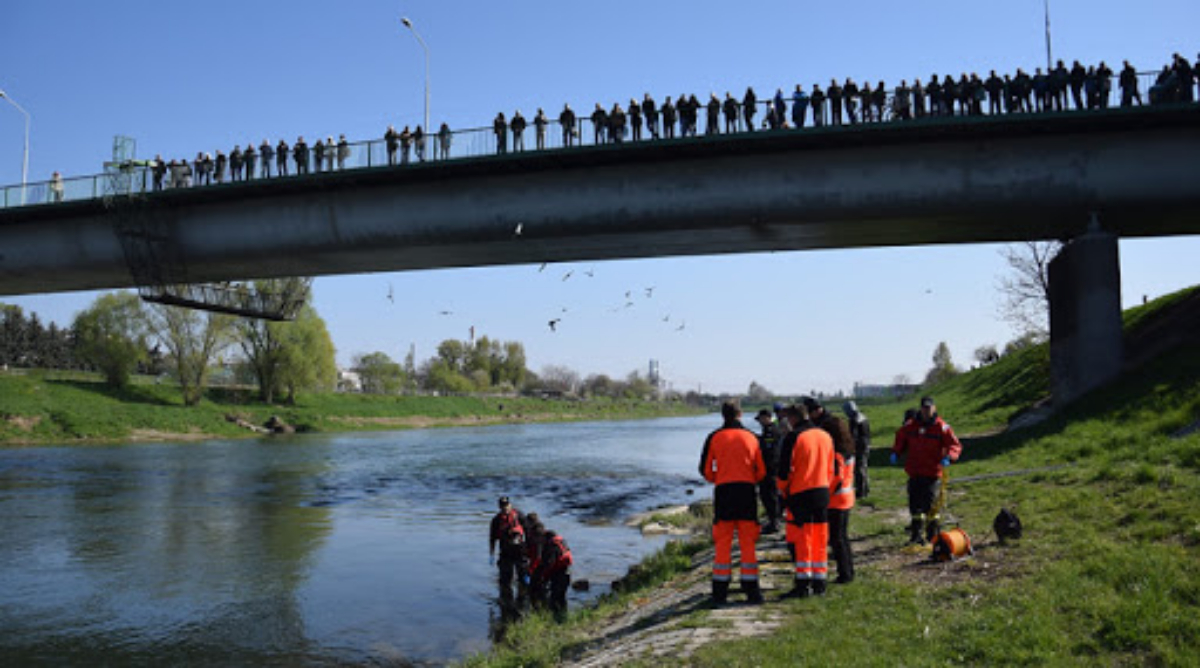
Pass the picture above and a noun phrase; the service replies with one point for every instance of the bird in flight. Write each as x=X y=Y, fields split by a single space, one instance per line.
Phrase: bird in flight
x=649 y=291
x=567 y=275
x=519 y=229
x=590 y=273
x=391 y=297
x=543 y=267
x=667 y=318
x=681 y=326
x=554 y=324
x=445 y=312
x=627 y=293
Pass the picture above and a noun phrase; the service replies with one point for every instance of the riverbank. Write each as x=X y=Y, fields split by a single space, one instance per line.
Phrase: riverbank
x=1107 y=572
x=37 y=408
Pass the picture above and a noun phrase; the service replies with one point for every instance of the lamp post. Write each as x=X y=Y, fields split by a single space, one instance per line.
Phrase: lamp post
x=25 y=160
x=409 y=24
x=1049 y=60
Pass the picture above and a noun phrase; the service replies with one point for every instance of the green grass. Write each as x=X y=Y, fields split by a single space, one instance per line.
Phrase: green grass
x=1108 y=571
x=53 y=407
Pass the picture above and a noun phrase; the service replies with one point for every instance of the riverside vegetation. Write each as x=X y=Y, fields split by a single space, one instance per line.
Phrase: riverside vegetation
x=1108 y=570
x=56 y=407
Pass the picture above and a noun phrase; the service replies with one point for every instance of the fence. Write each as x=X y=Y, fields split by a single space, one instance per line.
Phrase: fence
x=137 y=178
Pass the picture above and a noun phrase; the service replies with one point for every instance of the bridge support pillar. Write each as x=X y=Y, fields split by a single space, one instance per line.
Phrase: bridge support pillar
x=1085 y=315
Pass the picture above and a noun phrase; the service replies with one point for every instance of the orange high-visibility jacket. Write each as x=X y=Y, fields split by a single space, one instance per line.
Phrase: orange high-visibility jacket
x=731 y=454
x=812 y=461
x=841 y=488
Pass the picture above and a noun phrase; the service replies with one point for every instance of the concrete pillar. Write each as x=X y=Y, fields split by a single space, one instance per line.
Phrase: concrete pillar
x=1085 y=315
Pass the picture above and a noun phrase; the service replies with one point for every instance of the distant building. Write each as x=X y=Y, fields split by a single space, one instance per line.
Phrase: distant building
x=348 y=381
x=865 y=391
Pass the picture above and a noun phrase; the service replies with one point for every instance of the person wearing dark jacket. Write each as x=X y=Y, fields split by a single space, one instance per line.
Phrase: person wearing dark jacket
x=835 y=426
x=392 y=139
x=158 y=169
x=566 y=120
x=235 y=164
x=860 y=434
x=219 y=167
x=650 y=112
x=517 y=125
x=1129 y=86
x=281 y=158
x=508 y=531
x=850 y=99
x=817 y=99
x=300 y=156
x=500 y=127
x=616 y=124
x=267 y=154
x=928 y=445
x=835 y=102
x=1076 y=78
x=800 y=101
x=713 y=125
x=733 y=462
x=750 y=107
x=669 y=114
x=731 y=109
x=249 y=159
x=539 y=129
x=768 y=492
x=599 y=125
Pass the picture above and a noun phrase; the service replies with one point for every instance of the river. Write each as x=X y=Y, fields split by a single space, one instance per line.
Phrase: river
x=333 y=549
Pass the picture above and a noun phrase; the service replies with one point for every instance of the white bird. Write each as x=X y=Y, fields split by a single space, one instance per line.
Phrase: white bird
x=520 y=227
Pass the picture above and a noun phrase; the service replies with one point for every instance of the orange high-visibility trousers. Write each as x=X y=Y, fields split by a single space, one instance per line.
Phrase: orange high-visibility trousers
x=812 y=560
x=747 y=531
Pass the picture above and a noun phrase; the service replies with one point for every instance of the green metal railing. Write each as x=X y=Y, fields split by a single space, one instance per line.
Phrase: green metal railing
x=137 y=178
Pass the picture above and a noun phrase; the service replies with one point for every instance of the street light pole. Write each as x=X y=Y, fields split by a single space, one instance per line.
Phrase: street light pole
x=25 y=160
x=1049 y=60
x=409 y=24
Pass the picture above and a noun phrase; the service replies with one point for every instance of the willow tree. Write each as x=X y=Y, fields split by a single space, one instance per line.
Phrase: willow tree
x=193 y=340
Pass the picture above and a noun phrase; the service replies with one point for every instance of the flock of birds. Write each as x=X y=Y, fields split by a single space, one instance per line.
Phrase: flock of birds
x=553 y=323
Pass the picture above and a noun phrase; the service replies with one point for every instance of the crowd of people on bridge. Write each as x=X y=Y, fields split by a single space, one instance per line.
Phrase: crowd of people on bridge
x=845 y=102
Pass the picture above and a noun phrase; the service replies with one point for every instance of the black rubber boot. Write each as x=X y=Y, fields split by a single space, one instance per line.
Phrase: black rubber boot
x=933 y=527
x=916 y=531
x=720 y=593
x=818 y=588
x=802 y=589
x=753 y=593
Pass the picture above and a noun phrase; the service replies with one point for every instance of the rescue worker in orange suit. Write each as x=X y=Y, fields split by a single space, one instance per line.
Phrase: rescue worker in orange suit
x=928 y=445
x=841 y=500
x=554 y=569
x=732 y=460
x=509 y=532
x=805 y=478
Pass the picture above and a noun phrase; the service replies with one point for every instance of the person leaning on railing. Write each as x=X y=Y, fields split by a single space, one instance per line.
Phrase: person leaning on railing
x=566 y=120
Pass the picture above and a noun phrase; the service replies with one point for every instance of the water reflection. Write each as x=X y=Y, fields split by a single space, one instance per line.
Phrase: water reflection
x=343 y=548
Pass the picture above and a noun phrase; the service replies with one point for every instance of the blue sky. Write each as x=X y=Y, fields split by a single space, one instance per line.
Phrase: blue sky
x=186 y=77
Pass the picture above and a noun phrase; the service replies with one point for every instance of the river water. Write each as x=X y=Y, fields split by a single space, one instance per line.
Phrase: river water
x=344 y=549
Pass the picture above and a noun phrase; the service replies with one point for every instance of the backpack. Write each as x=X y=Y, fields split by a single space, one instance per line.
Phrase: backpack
x=1007 y=525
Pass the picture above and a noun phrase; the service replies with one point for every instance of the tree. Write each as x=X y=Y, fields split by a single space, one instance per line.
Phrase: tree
x=111 y=335
x=559 y=378
x=600 y=385
x=192 y=340
x=308 y=360
x=1025 y=292
x=287 y=355
x=379 y=374
x=758 y=394
x=986 y=355
x=943 y=365
x=638 y=387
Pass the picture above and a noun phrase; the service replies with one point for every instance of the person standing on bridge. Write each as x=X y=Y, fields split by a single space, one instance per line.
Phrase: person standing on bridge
x=500 y=127
x=319 y=154
x=219 y=168
x=928 y=445
x=635 y=120
x=281 y=158
x=712 y=126
x=331 y=151
x=343 y=152
x=835 y=102
x=300 y=156
x=249 y=156
x=850 y=95
x=732 y=111
x=1077 y=78
x=732 y=460
x=418 y=138
x=158 y=169
x=650 y=111
x=817 y=99
x=750 y=108
x=566 y=121
x=539 y=129
x=669 y=114
x=599 y=125
x=444 y=138
x=1129 y=86
x=405 y=145
x=203 y=169
x=392 y=139
x=694 y=116
x=235 y=164
x=800 y=101
x=56 y=187
x=267 y=155
x=616 y=124
x=518 y=130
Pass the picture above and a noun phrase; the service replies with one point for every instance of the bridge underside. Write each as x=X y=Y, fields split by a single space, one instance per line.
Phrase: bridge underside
x=974 y=180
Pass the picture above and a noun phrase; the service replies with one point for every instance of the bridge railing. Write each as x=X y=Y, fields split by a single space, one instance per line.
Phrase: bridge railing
x=460 y=144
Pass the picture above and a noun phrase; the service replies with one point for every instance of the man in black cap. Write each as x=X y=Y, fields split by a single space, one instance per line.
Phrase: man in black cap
x=837 y=429
x=509 y=531
x=768 y=492
x=860 y=433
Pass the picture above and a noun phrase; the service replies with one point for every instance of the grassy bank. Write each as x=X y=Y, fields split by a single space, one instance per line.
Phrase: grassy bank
x=48 y=408
x=1107 y=573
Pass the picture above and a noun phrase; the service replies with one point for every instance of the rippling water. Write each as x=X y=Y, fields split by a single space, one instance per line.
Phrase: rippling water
x=318 y=549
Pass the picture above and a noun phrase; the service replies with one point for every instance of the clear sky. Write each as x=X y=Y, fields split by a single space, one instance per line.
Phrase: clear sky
x=188 y=77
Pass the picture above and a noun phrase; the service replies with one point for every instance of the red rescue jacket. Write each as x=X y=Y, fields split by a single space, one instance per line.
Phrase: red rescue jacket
x=926 y=444
x=556 y=557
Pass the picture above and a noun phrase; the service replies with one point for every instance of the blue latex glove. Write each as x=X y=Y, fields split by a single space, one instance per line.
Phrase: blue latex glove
x=894 y=459
x=525 y=580
x=945 y=461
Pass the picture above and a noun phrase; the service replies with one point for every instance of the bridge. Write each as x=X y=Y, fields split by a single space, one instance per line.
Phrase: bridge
x=1123 y=172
